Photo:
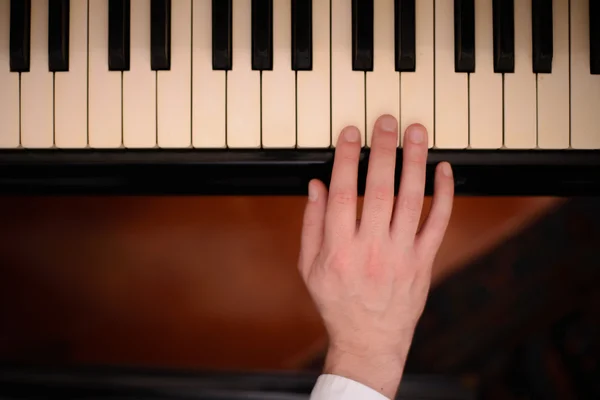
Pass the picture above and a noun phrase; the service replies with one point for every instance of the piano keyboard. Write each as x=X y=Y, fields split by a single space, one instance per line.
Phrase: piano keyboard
x=261 y=74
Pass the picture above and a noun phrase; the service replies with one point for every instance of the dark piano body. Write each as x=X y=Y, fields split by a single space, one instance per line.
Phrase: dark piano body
x=282 y=172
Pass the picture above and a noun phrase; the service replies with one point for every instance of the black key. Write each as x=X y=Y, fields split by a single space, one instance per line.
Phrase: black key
x=405 y=33
x=221 y=35
x=58 y=35
x=362 y=35
x=504 y=36
x=160 y=35
x=464 y=35
x=262 y=35
x=119 y=24
x=543 y=48
x=302 y=35
x=20 y=35
x=594 y=37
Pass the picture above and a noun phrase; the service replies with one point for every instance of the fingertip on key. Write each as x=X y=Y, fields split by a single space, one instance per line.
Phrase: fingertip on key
x=387 y=123
x=351 y=134
x=416 y=133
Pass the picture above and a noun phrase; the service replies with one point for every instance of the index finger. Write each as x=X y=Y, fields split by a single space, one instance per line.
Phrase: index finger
x=340 y=219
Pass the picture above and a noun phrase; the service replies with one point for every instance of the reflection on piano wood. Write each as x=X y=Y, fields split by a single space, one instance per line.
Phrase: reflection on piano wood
x=500 y=83
x=154 y=280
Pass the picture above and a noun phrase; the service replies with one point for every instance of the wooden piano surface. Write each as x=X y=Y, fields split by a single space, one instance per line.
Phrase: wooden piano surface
x=187 y=282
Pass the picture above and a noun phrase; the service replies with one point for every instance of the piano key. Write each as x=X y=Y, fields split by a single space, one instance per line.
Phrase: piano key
x=20 y=35
x=520 y=124
x=362 y=35
x=553 y=88
x=594 y=23
x=405 y=30
x=383 y=83
x=37 y=85
x=416 y=88
x=104 y=86
x=451 y=89
x=243 y=83
x=221 y=33
x=9 y=82
x=262 y=34
x=542 y=36
x=485 y=86
x=70 y=88
x=208 y=83
x=118 y=34
x=58 y=35
x=313 y=112
x=347 y=85
x=279 y=85
x=139 y=83
x=174 y=108
x=464 y=35
x=160 y=26
x=585 y=87
x=504 y=36
x=302 y=18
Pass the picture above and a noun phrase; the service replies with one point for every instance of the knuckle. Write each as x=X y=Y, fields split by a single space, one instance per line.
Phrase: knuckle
x=382 y=193
x=310 y=221
x=411 y=204
x=338 y=260
x=347 y=150
x=342 y=197
x=349 y=155
x=386 y=148
x=416 y=160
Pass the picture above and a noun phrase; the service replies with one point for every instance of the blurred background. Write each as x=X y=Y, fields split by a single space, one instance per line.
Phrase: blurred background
x=211 y=283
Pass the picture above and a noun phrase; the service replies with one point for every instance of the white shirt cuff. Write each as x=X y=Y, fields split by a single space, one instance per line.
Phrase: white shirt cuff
x=333 y=387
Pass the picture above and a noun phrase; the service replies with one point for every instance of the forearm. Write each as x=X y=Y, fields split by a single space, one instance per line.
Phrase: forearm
x=379 y=372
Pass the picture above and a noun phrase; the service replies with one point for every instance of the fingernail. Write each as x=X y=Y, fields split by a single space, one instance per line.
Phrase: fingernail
x=447 y=169
x=351 y=134
x=388 y=123
x=313 y=193
x=416 y=134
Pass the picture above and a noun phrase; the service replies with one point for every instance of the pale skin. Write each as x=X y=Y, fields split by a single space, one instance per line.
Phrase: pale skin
x=370 y=279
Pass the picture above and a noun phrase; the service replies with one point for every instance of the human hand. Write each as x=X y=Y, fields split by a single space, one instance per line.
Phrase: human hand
x=370 y=279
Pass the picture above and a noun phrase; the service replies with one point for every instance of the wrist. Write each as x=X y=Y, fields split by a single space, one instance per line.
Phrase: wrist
x=381 y=371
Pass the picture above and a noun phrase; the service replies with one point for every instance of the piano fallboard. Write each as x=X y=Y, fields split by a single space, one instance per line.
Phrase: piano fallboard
x=281 y=172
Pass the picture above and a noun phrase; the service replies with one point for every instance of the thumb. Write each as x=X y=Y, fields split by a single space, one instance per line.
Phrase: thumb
x=313 y=225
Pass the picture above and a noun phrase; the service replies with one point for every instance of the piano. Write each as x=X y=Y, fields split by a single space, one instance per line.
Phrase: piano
x=248 y=96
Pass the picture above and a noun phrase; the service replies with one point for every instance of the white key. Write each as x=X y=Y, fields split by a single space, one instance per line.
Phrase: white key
x=70 y=88
x=314 y=111
x=347 y=86
x=451 y=88
x=208 y=86
x=139 y=83
x=9 y=82
x=520 y=87
x=585 y=87
x=553 y=89
x=416 y=88
x=279 y=85
x=485 y=85
x=243 y=84
x=104 y=86
x=37 y=95
x=174 y=86
x=383 y=83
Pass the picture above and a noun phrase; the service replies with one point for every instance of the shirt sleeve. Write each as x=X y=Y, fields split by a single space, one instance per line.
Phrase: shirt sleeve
x=333 y=387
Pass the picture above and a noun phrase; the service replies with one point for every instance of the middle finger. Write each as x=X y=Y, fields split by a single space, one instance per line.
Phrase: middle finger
x=379 y=192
